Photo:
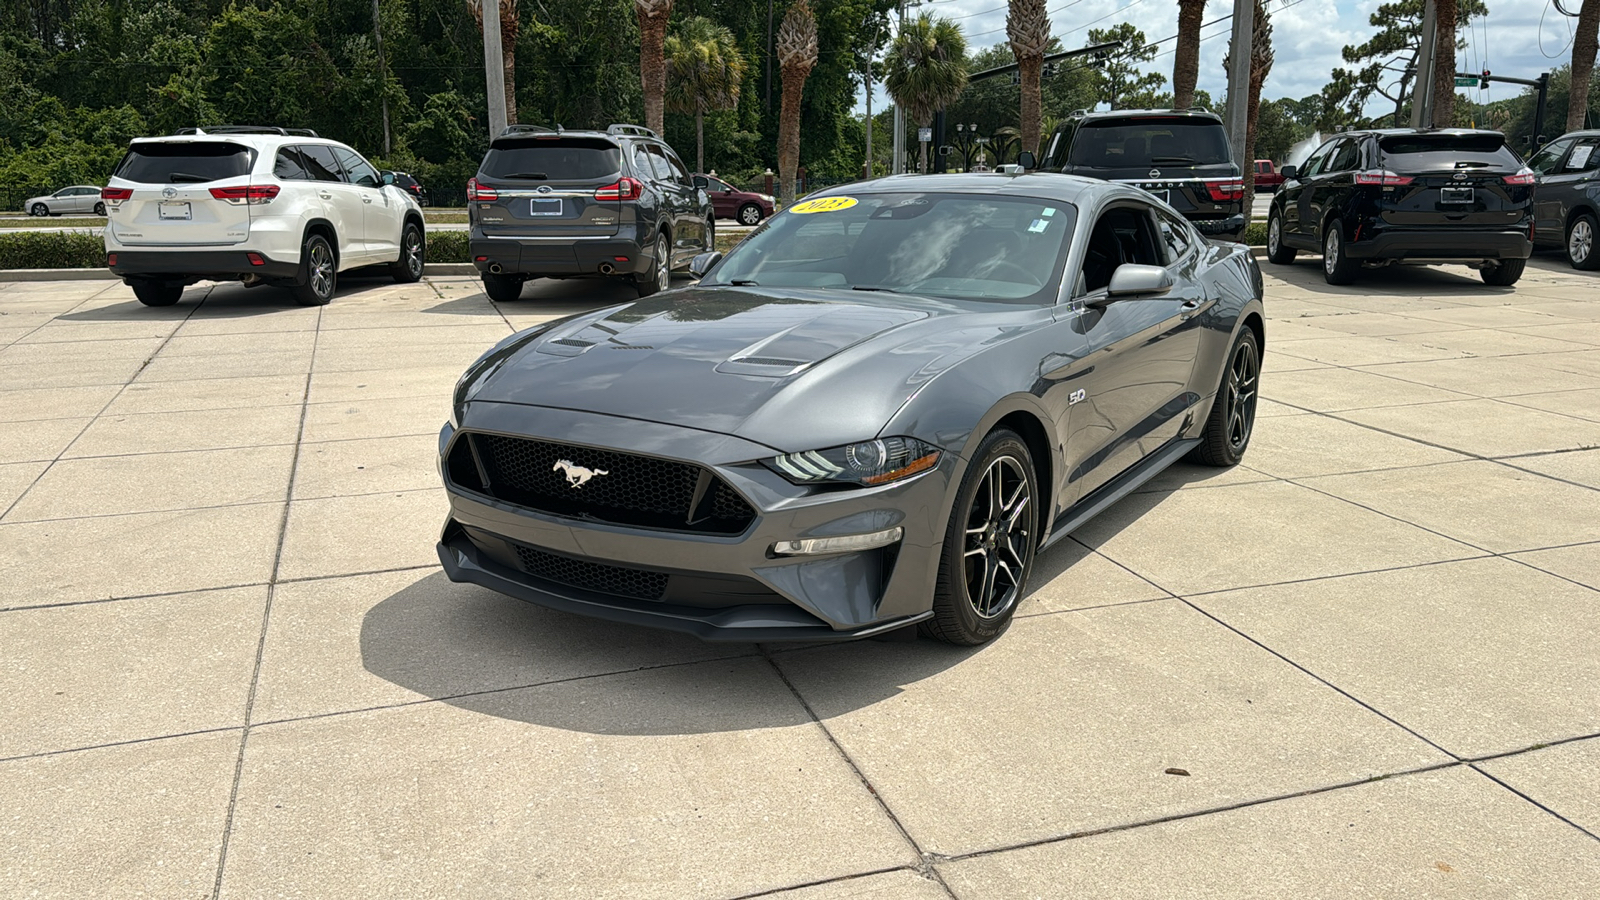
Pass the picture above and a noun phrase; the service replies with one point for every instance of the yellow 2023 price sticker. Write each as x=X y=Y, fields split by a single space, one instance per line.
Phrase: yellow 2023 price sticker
x=823 y=204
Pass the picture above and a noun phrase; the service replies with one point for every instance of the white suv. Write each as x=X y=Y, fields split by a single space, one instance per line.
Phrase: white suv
x=257 y=205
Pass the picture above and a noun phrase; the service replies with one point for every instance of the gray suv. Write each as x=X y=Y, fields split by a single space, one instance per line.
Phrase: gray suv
x=1566 y=203
x=552 y=203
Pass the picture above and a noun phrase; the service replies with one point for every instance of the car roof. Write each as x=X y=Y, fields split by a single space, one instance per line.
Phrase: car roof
x=257 y=141
x=1194 y=113
x=1073 y=189
x=1390 y=132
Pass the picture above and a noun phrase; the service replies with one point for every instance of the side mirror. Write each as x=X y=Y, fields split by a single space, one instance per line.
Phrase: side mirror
x=702 y=182
x=386 y=177
x=1289 y=172
x=1027 y=160
x=700 y=265
x=1133 y=280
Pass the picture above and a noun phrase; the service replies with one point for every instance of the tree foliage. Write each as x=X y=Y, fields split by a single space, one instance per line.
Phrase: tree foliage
x=1121 y=82
x=926 y=70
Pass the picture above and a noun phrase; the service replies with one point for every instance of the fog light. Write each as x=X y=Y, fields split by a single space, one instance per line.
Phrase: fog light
x=848 y=543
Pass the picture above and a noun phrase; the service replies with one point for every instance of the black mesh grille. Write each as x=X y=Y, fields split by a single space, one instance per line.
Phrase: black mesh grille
x=608 y=486
x=592 y=576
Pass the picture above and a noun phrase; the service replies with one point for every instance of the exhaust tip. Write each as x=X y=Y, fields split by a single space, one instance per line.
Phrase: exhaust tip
x=607 y=268
x=495 y=269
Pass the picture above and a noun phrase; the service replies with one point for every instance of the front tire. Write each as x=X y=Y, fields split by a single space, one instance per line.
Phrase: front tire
x=749 y=214
x=1504 y=274
x=502 y=288
x=319 y=272
x=659 y=278
x=1233 y=410
x=1337 y=267
x=158 y=293
x=1278 y=252
x=1581 y=236
x=988 y=546
x=413 y=256
x=39 y=209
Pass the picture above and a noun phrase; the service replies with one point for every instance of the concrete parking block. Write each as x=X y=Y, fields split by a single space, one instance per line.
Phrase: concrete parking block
x=1470 y=501
x=41 y=440
x=1331 y=390
x=1481 y=656
x=245 y=392
x=1579 y=562
x=367 y=466
x=210 y=429
x=151 y=482
x=364 y=641
x=1581 y=467
x=1584 y=404
x=127 y=670
x=902 y=884
x=352 y=419
x=347 y=535
x=1488 y=376
x=1297 y=446
x=1252 y=534
x=227 y=365
x=143 y=820
x=1071 y=576
x=71 y=560
x=1068 y=723
x=1482 y=427
x=16 y=478
x=553 y=791
x=55 y=403
x=1559 y=778
x=1450 y=835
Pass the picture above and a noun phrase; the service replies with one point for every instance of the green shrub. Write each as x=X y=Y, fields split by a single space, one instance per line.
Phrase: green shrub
x=448 y=247
x=52 y=250
x=1255 y=234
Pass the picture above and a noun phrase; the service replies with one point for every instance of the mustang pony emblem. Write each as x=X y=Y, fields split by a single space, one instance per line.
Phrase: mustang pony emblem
x=577 y=475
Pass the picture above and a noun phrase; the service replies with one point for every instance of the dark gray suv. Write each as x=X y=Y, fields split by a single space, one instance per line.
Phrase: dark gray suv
x=1566 y=203
x=552 y=203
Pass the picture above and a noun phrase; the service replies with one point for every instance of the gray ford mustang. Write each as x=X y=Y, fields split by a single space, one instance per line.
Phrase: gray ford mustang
x=871 y=414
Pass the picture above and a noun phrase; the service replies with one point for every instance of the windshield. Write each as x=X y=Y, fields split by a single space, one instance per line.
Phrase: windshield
x=178 y=162
x=1424 y=152
x=1150 y=141
x=956 y=246
x=553 y=159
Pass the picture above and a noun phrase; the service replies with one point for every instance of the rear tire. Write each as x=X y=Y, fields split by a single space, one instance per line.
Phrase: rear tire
x=1277 y=251
x=1504 y=274
x=158 y=293
x=1581 y=235
x=502 y=288
x=99 y=209
x=413 y=256
x=319 y=272
x=989 y=544
x=1233 y=411
x=659 y=278
x=1337 y=268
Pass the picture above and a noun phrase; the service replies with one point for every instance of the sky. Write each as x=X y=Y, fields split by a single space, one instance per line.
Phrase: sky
x=1520 y=38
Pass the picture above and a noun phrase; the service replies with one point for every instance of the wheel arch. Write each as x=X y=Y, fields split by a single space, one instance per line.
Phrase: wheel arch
x=1033 y=432
x=1580 y=209
x=324 y=228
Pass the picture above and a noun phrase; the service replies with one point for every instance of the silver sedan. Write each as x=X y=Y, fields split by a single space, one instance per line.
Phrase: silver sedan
x=79 y=199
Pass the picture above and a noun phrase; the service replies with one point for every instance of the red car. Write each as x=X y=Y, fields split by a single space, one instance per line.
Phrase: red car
x=744 y=207
x=1267 y=176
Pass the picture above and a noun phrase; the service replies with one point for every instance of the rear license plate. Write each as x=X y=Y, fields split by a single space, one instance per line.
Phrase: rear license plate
x=174 y=211
x=1455 y=195
x=544 y=207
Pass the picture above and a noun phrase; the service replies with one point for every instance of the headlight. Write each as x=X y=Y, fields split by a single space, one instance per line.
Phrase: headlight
x=869 y=462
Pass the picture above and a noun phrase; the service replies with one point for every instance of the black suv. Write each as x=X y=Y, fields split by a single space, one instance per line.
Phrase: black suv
x=1566 y=206
x=1406 y=195
x=1179 y=155
x=550 y=203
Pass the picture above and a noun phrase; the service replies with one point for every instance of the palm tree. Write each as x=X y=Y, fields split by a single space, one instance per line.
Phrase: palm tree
x=926 y=70
x=704 y=71
x=797 y=53
x=508 y=48
x=652 y=66
x=1444 y=64
x=1261 y=59
x=1583 y=50
x=1186 y=57
x=1028 y=27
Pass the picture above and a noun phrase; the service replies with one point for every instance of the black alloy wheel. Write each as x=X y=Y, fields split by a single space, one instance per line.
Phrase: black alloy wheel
x=1277 y=251
x=1233 y=411
x=1581 y=236
x=989 y=544
x=408 y=268
x=749 y=214
x=319 y=272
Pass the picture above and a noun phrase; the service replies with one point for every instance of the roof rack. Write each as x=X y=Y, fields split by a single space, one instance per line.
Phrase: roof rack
x=637 y=130
x=247 y=129
x=529 y=129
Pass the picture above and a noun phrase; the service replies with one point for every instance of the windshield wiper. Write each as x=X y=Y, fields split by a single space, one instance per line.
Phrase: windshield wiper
x=528 y=176
x=185 y=178
x=1172 y=159
x=872 y=287
x=744 y=282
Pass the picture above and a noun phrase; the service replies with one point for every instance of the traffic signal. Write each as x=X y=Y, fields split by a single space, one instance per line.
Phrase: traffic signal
x=1483 y=80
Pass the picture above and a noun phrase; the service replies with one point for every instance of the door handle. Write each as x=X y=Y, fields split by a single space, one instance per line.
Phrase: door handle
x=366 y=199
x=324 y=195
x=1189 y=308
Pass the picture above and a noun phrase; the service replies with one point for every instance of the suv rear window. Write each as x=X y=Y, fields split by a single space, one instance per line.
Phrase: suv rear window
x=1421 y=152
x=561 y=159
x=1141 y=142
x=181 y=162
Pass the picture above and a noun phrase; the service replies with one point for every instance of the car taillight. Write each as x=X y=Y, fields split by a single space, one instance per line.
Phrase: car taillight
x=476 y=191
x=1225 y=189
x=252 y=194
x=624 y=189
x=116 y=195
x=1523 y=177
x=1382 y=177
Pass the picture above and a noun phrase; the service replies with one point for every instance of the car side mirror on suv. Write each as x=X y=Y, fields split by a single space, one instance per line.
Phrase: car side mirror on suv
x=702 y=264
x=386 y=177
x=1289 y=172
x=702 y=182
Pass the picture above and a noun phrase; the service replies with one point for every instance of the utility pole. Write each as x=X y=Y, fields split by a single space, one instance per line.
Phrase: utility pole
x=494 y=67
x=898 y=166
x=1422 y=94
x=867 y=80
x=769 y=56
x=383 y=75
x=1244 y=22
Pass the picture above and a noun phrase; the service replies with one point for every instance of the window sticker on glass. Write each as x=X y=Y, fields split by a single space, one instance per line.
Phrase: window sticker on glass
x=1038 y=226
x=1048 y=211
x=1580 y=156
x=823 y=204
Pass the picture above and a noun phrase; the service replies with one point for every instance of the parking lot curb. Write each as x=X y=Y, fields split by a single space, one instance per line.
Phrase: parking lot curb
x=437 y=270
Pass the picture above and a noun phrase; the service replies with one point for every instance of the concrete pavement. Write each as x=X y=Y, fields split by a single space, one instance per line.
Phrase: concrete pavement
x=1361 y=664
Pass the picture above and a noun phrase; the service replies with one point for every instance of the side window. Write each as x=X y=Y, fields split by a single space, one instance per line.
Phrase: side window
x=289 y=166
x=358 y=170
x=718 y=184
x=641 y=162
x=1582 y=158
x=320 y=163
x=678 y=169
x=658 y=163
x=1545 y=161
x=1344 y=158
x=1122 y=235
x=1314 y=165
x=1174 y=236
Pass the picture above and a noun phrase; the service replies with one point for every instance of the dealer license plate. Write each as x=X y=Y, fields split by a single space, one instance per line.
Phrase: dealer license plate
x=544 y=207
x=1455 y=195
x=174 y=211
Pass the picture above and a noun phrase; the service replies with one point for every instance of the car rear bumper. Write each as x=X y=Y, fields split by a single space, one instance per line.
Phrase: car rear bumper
x=220 y=265
x=1229 y=229
x=558 y=256
x=1442 y=244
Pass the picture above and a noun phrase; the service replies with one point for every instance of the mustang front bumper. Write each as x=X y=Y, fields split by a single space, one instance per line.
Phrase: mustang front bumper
x=717 y=586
